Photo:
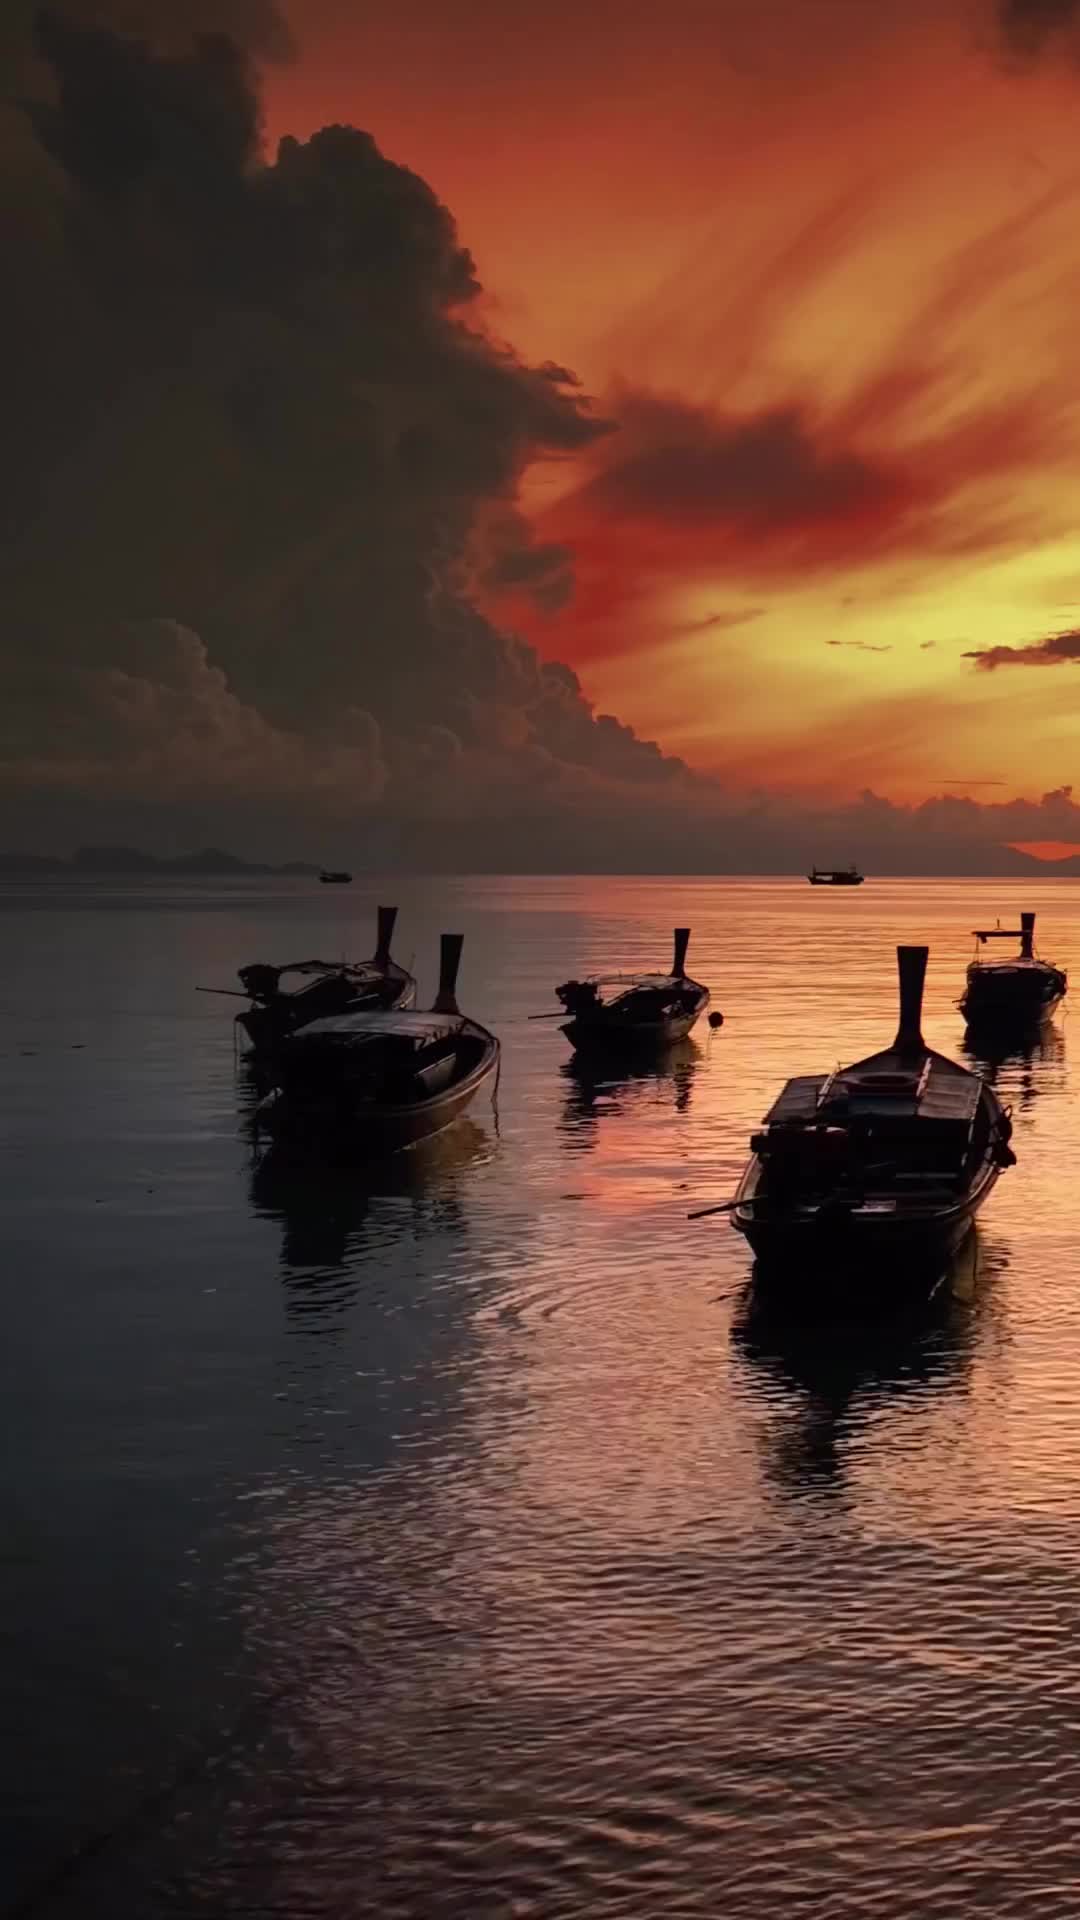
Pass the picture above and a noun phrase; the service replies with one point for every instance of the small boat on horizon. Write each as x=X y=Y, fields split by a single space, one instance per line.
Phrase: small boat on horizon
x=835 y=877
x=335 y=877
x=881 y=1164
x=288 y=997
x=1012 y=993
x=642 y=1010
x=381 y=1081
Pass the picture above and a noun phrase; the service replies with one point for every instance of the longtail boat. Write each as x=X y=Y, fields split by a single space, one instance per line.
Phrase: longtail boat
x=835 y=877
x=882 y=1162
x=635 y=1011
x=383 y=1080
x=286 y=998
x=1015 y=992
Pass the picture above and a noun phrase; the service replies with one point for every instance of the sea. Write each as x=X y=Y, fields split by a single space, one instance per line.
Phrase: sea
x=468 y=1536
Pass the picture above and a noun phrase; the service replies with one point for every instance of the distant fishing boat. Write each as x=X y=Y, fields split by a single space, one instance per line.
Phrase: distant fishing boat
x=288 y=997
x=635 y=1010
x=332 y=878
x=882 y=1163
x=835 y=877
x=383 y=1081
x=1013 y=993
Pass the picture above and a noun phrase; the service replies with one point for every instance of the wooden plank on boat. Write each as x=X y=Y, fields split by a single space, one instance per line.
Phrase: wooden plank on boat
x=950 y=1096
x=797 y=1100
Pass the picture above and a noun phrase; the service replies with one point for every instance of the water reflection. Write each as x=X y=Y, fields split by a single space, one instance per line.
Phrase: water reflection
x=329 y=1209
x=595 y=1088
x=823 y=1378
x=1020 y=1066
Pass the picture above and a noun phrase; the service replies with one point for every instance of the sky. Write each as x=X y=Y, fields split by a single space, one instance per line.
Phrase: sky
x=650 y=425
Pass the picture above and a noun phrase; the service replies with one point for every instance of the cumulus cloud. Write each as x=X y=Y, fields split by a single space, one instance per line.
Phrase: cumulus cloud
x=1053 y=651
x=161 y=720
x=254 y=406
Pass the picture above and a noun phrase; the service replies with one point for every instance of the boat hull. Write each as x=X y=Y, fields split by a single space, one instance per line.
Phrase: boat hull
x=375 y=1130
x=611 y=1035
x=813 y=1244
x=1013 y=1004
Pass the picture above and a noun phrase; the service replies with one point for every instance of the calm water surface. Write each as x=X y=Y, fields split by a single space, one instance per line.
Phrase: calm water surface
x=465 y=1540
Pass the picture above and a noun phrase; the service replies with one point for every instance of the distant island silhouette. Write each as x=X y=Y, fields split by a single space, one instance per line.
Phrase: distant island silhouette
x=1001 y=862
x=208 y=860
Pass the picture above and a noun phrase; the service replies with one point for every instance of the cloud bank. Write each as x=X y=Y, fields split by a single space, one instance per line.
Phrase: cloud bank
x=262 y=470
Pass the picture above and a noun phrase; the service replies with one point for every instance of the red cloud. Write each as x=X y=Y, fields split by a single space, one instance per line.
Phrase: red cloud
x=768 y=473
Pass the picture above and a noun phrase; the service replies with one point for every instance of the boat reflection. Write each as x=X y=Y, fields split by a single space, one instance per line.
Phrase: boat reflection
x=824 y=1380
x=327 y=1209
x=1019 y=1066
x=596 y=1088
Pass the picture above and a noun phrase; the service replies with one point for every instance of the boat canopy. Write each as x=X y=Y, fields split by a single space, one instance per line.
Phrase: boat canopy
x=933 y=1091
x=380 y=1026
x=656 y=980
x=365 y=967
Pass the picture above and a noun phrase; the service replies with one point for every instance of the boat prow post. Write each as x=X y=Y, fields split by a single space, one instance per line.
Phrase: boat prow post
x=450 y=945
x=911 y=968
x=386 y=920
x=1027 y=936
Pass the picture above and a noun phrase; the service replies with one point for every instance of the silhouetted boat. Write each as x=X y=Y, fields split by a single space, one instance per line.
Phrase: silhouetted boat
x=885 y=1161
x=331 y=878
x=1014 y=993
x=283 y=999
x=643 y=1009
x=383 y=1080
x=835 y=877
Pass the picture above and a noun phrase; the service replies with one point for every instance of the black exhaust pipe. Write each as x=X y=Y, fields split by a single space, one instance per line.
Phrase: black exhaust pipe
x=1027 y=936
x=386 y=919
x=682 y=941
x=450 y=946
x=911 y=962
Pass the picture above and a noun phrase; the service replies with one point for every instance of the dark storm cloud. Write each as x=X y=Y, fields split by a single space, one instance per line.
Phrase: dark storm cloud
x=510 y=560
x=259 y=26
x=251 y=408
x=1054 y=651
x=1027 y=25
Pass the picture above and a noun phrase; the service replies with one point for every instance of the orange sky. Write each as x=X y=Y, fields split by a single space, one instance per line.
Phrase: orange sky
x=823 y=270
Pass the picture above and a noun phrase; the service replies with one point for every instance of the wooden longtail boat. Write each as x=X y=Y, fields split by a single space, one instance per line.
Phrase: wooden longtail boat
x=884 y=1162
x=1013 y=993
x=284 y=999
x=383 y=1080
x=835 y=877
x=641 y=1010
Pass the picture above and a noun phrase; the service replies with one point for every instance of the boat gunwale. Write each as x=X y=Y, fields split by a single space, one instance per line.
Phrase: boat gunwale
x=873 y=1219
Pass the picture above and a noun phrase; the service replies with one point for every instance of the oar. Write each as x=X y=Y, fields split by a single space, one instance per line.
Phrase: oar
x=725 y=1206
x=558 y=1014
x=231 y=993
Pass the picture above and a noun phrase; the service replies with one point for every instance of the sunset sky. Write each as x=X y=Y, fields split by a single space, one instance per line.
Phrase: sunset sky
x=822 y=263
x=726 y=487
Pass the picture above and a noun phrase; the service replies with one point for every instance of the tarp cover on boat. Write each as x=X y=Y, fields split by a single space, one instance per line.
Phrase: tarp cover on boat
x=372 y=1026
x=944 y=1095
